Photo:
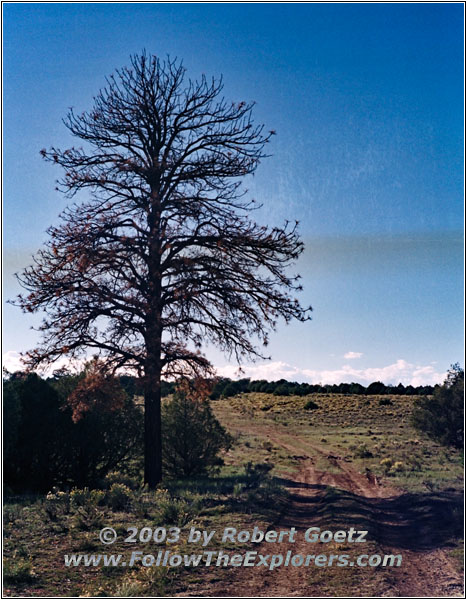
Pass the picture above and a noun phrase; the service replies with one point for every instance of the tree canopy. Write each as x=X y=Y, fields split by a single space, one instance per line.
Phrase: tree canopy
x=161 y=255
x=165 y=218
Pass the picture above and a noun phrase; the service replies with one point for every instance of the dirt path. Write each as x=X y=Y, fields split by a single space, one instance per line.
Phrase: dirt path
x=414 y=526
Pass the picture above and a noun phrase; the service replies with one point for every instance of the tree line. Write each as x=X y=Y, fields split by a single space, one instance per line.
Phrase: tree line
x=226 y=388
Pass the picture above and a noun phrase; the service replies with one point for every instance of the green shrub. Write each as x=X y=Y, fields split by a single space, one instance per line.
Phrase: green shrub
x=56 y=504
x=17 y=571
x=259 y=487
x=398 y=467
x=282 y=390
x=385 y=402
x=11 y=418
x=85 y=497
x=156 y=579
x=119 y=497
x=414 y=463
x=386 y=463
x=255 y=473
x=363 y=452
x=192 y=436
x=310 y=405
x=84 y=504
x=238 y=489
x=117 y=477
x=142 y=503
x=131 y=589
x=87 y=518
x=441 y=416
x=173 y=511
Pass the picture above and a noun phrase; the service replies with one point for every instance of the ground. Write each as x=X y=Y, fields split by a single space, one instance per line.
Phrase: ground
x=354 y=461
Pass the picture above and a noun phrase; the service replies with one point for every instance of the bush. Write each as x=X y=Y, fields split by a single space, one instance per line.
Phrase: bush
x=255 y=473
x=36 y=447
x=173 y=511
x=376 y=388
x=282 y=390
x=386 y=463
x=363 y=452
x=117 y=477
x=131 y=589
x=441 y=416
x=259 y=488
x=231 y=389
x=119 y=497
x=11 y=418
x=192 y=436
x=85 y=506
x=87 y=518
x=85 y=497
x=56 y=504
x=310 y=405
x=385 y=402
x=17 y=571
x=398 y=467
x=46 y=448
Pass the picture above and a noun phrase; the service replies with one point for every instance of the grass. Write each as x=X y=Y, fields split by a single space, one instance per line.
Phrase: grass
x=458 y=555
x=359 y=428
x=274 y=430
x=42 y=531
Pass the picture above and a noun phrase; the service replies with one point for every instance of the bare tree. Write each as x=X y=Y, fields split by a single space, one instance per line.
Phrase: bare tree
x=162 y=255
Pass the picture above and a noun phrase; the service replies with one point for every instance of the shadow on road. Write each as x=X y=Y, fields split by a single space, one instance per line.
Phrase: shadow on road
x=415 y=521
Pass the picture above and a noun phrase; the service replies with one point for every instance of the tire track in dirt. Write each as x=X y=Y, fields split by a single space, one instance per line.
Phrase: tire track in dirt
x=423 y=573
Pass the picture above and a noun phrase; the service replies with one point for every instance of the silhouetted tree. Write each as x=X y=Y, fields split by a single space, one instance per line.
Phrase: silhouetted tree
x=282 y=389
x=376 y=388
x=44 y=445
x=11 y=418
x=162 y=255
x=400 y=389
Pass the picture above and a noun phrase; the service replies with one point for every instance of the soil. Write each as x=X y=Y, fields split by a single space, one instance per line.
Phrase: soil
x=419 y=527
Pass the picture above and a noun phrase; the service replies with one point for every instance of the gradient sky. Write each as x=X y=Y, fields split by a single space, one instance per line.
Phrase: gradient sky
x=367 y=102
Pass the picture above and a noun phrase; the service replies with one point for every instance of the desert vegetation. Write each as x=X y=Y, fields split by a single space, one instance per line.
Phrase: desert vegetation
x=261 y=442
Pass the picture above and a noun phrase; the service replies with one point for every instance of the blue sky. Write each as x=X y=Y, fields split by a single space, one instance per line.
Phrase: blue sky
x=367 y=102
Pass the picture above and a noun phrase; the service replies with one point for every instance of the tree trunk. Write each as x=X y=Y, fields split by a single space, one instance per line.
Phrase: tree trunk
x=153 y=367
x=152 y=426
x=152 y=394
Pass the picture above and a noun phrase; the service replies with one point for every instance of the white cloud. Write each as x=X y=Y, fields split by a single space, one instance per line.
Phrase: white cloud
x=12 y=362
x=270 y=371
x=399 y=372
x=350 y=355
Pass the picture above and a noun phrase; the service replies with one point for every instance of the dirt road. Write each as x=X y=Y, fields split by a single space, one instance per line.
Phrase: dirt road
x=419 y=527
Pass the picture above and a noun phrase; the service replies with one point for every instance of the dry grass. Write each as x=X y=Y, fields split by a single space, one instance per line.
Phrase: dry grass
x=357 y=428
